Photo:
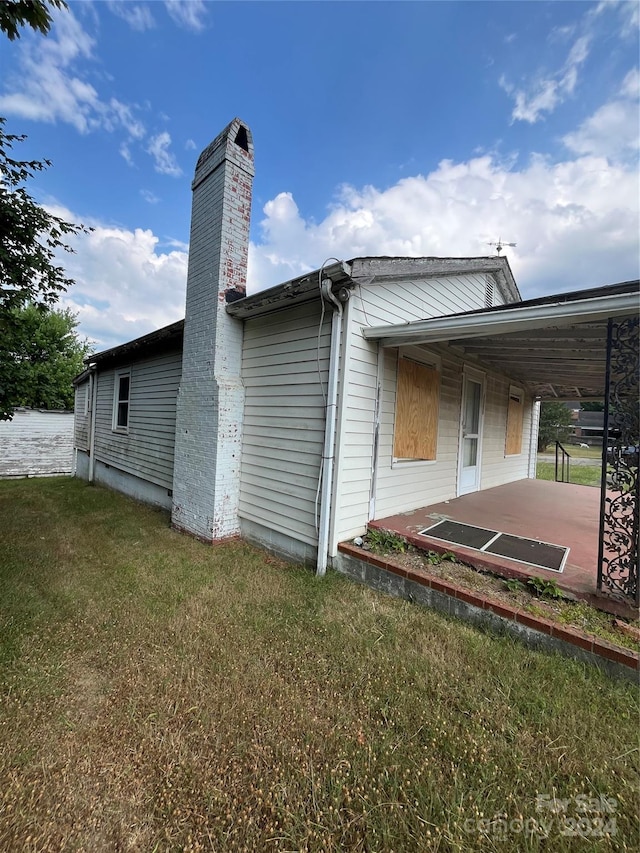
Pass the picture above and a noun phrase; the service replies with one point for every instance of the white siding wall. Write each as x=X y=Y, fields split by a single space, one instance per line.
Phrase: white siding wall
x=406 y=486
x=533 y=440
x=403 y=486
x=496 y=467
x=403 y=301
x=36 y=443
x=147 y=449
x=283 y=428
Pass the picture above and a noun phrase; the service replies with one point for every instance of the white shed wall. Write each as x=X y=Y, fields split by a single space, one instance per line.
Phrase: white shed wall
x=36 y=443
x=283 y=427
x=81 y=416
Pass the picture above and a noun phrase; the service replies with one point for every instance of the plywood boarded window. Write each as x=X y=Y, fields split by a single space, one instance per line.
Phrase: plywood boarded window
x=416 y=428
x=513 y=445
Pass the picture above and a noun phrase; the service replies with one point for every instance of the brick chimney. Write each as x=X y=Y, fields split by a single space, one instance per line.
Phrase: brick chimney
x=210 y=406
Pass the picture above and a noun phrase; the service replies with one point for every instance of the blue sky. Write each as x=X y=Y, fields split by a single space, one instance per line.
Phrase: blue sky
x=379 y=128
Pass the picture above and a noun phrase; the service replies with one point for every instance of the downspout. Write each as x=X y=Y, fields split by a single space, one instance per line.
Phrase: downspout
x=93 y=392
x=329 y=427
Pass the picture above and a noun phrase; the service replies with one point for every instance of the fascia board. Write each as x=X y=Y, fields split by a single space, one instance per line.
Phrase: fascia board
x=513 y=319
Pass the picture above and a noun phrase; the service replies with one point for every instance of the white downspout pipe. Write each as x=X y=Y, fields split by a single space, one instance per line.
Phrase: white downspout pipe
x=329 y=429
x=93 y=392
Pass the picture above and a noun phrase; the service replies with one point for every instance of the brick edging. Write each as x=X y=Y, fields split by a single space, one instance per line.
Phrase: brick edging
x=573 y=636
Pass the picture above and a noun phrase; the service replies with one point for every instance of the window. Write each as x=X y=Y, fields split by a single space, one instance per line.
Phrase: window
x=515 y=410
x=82 y=399
x=121 y=402
x=417 y=396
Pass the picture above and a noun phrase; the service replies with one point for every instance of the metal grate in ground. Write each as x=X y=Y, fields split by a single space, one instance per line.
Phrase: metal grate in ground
x=532 y=552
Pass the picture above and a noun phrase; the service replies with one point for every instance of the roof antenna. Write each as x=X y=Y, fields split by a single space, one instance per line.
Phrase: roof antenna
x=500 y=245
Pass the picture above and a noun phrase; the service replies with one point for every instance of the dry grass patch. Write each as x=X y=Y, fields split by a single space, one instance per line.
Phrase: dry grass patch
x=161 y=695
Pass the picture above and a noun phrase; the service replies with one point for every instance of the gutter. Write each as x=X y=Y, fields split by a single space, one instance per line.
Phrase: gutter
x=512 y=319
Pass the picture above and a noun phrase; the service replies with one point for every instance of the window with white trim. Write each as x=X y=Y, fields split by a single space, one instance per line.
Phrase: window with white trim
x=121 y=392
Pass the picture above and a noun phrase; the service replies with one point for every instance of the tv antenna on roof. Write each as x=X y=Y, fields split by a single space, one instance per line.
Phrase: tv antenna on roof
x=500 y=245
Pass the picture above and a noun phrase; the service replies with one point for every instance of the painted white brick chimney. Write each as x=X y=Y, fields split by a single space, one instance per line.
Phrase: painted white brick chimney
x=210 y=406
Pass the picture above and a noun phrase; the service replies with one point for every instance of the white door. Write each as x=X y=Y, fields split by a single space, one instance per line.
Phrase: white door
x=470 y=434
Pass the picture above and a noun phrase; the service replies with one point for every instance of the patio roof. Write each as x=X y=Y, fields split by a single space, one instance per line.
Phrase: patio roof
x=555 y=346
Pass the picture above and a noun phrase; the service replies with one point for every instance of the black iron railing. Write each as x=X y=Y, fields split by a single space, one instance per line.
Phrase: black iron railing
x=562 y=463
x=619 y=553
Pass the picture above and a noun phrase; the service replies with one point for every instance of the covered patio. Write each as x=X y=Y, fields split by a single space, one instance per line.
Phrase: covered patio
x=561 y=514
x=582 y=345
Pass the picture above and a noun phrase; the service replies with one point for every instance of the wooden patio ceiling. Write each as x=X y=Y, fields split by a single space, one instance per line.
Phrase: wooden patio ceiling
x=565 y=363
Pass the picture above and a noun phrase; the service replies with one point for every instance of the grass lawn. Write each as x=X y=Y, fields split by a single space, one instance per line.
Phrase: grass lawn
x=577 y=452
x=582 y=475
x=158 y=694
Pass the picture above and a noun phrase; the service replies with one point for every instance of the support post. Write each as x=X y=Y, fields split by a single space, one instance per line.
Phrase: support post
x=618 y=557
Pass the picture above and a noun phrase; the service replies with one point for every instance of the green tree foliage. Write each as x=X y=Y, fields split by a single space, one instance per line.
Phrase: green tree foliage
x=31 y=13
x=40 y=353
x=39 y=349
x=591 y=407
x=555 y=424
x=30 y=236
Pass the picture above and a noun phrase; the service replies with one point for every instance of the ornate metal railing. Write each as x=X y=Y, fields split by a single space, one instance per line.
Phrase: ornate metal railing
x=618 y=558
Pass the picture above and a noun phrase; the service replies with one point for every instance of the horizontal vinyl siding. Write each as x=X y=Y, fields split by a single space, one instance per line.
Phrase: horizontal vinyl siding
x=81 y=417
x=404 y=301
x=403 y=486
x=283 y=429
x=497 y=468
x=374 y=305
x=147 y=449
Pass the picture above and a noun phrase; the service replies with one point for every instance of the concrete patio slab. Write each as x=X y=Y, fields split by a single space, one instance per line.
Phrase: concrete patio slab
x=558 y=513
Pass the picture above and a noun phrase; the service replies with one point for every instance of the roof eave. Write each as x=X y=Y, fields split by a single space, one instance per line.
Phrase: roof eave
x=377 y=269
x=296 y=291
x=166 y=337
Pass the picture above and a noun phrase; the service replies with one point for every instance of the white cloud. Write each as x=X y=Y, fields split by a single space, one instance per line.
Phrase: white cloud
x=631 y=84
x=612 y=131
x=48 y=85
x=125 y=286
x=124 y=118
x=165 y=162
x=190 y=14
x=630 y=19
x=546 y=92
x=575 y=222
x=125 y=153
x=149 y=197
x=138 y=16
x=190 y=145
